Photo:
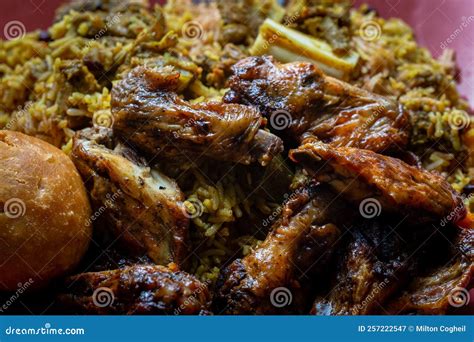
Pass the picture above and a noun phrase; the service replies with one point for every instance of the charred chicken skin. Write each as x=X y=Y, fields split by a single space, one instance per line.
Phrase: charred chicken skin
x=149 y=115
x=246 y=286
x=369 y=269
x=299 y=100
x=397 y=186
x=440 y=286
x=141 y=206
x=138 y=289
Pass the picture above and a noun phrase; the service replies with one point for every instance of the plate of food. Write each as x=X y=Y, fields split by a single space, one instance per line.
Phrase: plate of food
x=233 y=158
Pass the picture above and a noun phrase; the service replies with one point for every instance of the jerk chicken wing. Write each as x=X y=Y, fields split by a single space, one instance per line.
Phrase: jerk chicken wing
x=246 y=285
x=370 y=269
x=149 y=115
x=397 y=186
x=141 y=206
x=138 y=289
x=443 y=284
x=300 y=100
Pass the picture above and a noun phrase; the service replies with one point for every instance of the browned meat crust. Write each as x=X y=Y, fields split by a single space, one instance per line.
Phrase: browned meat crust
x=140 y=206
x=399 y=187
x=440 y=289
x=149 y=115
x=246 y=286
x=137 y=290
x=312 y=103
x=370 y=269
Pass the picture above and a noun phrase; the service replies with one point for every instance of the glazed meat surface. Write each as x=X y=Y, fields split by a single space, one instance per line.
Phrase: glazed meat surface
x=442 y=285
x=149 y=115
x=397 y=186
x=139 y=205
x=137 y=290
x=299 y=100
x=246 y=286
x=370 y=269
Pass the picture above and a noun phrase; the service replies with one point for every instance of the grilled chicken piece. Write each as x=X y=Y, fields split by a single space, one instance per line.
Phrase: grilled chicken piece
x=372 y=267
x=443 y=287
x=142 y=207
x=138 y=290
x=247 y=285
x=150 y=115
x=397 y=186
x=300 y=100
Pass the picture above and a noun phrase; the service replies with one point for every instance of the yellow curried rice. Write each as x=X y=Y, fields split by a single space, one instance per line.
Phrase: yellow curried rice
x=57 y=82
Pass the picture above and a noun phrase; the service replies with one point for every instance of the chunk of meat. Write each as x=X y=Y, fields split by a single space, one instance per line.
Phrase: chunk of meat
x=241 y=19
x=372 y=267
x=141 y=206
x=443 y=287
x=300 y=100
x=139 y=290
x=397 y=186
x=325 y=19
x=149 y=115
x=246 y=286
